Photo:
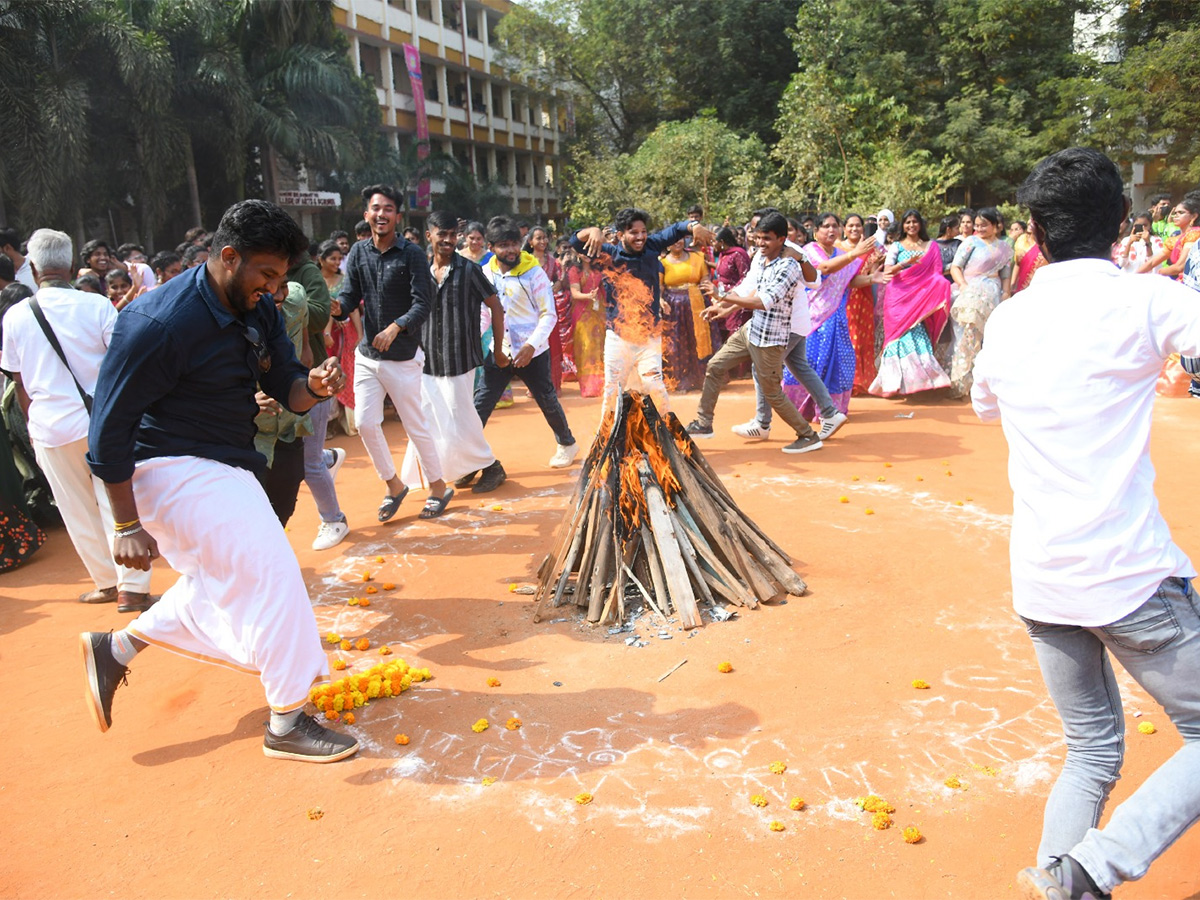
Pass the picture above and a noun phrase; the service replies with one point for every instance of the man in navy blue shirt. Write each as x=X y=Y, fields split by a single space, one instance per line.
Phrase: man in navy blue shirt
x=172 y=436
x=633 y=340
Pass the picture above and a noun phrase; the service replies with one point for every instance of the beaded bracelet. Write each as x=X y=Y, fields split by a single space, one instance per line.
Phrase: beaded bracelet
x=130 y=532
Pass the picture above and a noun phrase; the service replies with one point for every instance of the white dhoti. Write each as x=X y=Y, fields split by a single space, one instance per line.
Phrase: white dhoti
x=448 y=407
x=240 y=600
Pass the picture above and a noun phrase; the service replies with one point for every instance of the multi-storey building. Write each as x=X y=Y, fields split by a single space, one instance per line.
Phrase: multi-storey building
x=502 y=128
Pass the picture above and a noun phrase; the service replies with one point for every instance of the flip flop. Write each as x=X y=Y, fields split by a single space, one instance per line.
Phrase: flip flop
x=390 y=504
x=434 y=507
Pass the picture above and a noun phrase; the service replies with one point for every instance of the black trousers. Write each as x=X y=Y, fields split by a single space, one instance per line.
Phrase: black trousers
x=282 y=480
x=537 y=378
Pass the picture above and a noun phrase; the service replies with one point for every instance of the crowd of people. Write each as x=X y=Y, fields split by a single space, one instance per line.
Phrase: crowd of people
x=173 y=406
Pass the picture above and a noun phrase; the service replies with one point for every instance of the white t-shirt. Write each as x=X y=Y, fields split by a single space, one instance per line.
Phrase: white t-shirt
x=25 y=276
x=801 y=320
x=83 y=324
x=1069 y=365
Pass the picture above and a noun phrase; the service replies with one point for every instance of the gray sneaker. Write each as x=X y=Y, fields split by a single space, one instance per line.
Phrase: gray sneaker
x=804 y=444
x=309 y=741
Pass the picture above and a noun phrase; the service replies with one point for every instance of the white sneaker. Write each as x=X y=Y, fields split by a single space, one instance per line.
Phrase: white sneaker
x=339 y=457
x=752 y=431
x=832 y=424
x=564 y=456
x=330 y=534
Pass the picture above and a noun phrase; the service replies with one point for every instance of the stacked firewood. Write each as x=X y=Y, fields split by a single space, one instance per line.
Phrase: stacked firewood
x=650 y=520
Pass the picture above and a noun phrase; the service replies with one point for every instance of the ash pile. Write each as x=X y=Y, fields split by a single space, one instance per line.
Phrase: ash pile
x=650 y=521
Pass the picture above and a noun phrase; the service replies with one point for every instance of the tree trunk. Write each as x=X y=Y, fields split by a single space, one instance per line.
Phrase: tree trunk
x=270 y=174
x=193 y=183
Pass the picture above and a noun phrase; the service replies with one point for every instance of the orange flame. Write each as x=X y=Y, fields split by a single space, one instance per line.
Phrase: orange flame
x=635 y=320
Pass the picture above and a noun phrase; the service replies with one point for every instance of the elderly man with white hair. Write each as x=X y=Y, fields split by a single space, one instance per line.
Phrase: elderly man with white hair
x=53 y=345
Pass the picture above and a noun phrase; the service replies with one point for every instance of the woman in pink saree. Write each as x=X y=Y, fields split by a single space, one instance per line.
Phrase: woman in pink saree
x=916 y=307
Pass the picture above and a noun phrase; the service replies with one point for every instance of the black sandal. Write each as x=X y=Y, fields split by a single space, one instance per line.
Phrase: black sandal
x=434 y=507
x=390 y=504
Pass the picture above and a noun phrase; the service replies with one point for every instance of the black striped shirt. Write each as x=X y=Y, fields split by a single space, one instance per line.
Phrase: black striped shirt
x=450 y=335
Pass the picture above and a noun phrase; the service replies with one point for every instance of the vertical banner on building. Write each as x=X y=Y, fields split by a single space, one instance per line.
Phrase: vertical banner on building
x=412 y=59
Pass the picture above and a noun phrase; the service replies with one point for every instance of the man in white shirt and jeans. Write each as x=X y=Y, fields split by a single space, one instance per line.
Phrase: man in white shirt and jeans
x=1094 y=569
x=58 y=419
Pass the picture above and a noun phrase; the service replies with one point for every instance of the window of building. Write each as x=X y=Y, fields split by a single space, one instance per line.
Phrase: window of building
x=450 y=17
x=522 y=170
x=425 y=9
x=429 y=77
x=400 y=80
x=370 y=63
x=473 y=26
x=497 y=93
x=456 y=89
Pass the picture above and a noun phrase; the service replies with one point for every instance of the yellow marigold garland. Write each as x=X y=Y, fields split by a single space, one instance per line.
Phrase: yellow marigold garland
x=493 y=682
x=920 y=684
x=776 y=826
x=583 y=798
x=513 y=724
x=725 y=667
x=778 y=768
x=758 y=800
x=480 y=726
x=912 y=835
x=796 y=803
x=385 y=679
x=881 y=821
x=874 y=804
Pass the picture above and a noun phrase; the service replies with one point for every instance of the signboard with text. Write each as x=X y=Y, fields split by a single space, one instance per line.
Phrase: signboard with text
x=327 y=199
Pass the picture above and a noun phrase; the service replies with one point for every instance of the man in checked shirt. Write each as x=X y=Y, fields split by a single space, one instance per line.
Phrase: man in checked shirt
x=768 y=290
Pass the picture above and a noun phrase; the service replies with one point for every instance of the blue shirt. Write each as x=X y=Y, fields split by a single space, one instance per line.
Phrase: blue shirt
x=180 y=376
x=645 y=267
x=392 y=286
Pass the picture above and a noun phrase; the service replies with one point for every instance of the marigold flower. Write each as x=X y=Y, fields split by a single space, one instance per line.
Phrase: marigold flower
x=758 y=800
x=513 y=724
x=402 y=739
x=346 y=645
x=912 y=835
x=919 y=478
x=353 y=601
x=778 y=768
x=512 y=587
x=873 y=804
x=315 y=813
x=958 y=503
x=920 y=684
x=843 y=499
x=854 y=478
x=385 y=650
x=881 y=821
x=887 y=465
x=493 y=682
x=881 y=478
x=332 y=715
x=389 y=586
x=379 y=559
x=371 y=589
x=333 y=638
x=362 y=644
x=949 y=473
x=348 y=718
x=583 y=798
x=796 y=803
x=366 y=576
x=365 y=601
x=339 y=664
x=953 y=783
x=776 y=826
x=487 y=779
x=725 y=667
x=480 y=726
x=339 y=703
x=1147 y=728
x=968 y=499
x=497 y=508
x=868 y=511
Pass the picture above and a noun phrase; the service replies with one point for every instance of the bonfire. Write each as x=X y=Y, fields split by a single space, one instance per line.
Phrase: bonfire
x=650 y=520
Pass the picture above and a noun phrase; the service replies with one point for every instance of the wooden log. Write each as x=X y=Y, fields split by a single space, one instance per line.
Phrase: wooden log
x=689 y=559
x=710 y=530
x=552 y=563
x=614 y=607
x=587 y=557
x=733 y=587
x=722 y=498
x=662 y=527
x=656 y=573
x=601 y=569
x=762 y=588
x=772 y=563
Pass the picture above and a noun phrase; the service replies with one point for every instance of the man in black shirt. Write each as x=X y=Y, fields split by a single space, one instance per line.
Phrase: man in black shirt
x=389 y=276
x=453 y=352
x=172 y=436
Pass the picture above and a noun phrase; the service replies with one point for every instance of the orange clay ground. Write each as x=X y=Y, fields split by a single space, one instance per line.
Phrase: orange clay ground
x=177 y=799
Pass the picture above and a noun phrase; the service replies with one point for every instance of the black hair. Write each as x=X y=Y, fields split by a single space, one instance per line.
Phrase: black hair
x=473 y=226
x=10 y=238
x=1077 y=198
x=828 y=215
x=697 y=209
x=501 y=229
x=922 y=233
x=386 y=190
x=794 y=224
x=727 y=236
x=524 y=224
x=947 y=223
x=327 y=247
x=89 y=248
x=762 y=212
x=441 y=220
x=335 y=235
x=630 y=214
x=1161 y=197
x=1017 y=221
x=527 y=244
x=965 y=211
x=259 y=226
x=11 y=295
x=190 y=254
x=990 y=213
x=182 y=248
x=7 y=271
x=362 y=229
x=88 y=281
x=124 y=251
x=773 y=222
x=162 y=260
x=193 y=233
x=1191 y=202
x=114 y=274
x=809 y=220
x=849 y=216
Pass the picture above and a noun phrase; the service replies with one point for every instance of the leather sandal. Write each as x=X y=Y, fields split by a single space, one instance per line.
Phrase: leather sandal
x=134 y=601
x=100 y=595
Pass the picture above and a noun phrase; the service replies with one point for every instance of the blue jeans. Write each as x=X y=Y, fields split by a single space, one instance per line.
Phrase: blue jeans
x=316 y=472
x=796 y=360
x=1159 y=645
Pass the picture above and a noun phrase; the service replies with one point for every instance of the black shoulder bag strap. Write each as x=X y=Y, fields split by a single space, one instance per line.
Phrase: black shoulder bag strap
x=53 y=339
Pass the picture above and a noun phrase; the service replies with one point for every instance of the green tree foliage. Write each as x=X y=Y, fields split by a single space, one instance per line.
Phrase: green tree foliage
x=945 y=83
x=698 y=161
x=642 y=62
